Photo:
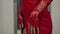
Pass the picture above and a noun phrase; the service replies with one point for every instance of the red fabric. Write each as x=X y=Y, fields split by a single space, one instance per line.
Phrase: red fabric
x=45 y=23
x=44 y=19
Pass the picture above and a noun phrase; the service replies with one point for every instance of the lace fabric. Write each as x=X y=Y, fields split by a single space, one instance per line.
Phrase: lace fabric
x=32 y=25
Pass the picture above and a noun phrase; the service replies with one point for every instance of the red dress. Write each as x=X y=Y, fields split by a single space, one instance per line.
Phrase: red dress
x=44 y=23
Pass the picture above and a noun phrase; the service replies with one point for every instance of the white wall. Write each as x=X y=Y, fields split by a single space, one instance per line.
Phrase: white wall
x=55 y=12
x=1 y=22
x=8 y=16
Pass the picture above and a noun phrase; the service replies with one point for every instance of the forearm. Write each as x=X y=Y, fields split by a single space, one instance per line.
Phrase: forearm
x=42 y=5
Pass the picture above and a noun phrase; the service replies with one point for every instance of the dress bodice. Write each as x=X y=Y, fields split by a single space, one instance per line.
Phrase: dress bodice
x=27 y=6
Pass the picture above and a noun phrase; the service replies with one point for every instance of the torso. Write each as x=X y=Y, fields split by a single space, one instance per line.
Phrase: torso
x=27 y=7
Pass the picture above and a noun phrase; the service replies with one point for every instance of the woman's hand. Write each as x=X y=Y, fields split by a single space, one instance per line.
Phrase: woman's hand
x=21 y=25
x=34 y=17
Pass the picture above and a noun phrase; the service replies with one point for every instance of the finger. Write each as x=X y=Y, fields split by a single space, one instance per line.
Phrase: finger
x=37 y=30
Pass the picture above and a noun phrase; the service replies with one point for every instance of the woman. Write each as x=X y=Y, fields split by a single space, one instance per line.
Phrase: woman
x=34 y=17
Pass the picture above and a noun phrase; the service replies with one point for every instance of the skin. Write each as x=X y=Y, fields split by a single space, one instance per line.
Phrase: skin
x=24 y=31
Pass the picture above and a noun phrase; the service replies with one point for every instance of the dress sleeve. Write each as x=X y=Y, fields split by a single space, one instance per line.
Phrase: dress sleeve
x=43 y=4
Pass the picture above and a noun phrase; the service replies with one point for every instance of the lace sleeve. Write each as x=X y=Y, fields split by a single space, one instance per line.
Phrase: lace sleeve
x=43 y=4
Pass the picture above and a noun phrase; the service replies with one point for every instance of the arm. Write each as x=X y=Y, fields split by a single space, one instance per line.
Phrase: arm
x=43 y=4
x=20 y=20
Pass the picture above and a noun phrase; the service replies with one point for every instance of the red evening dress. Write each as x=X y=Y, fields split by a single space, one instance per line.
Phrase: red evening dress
x=32 y=26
